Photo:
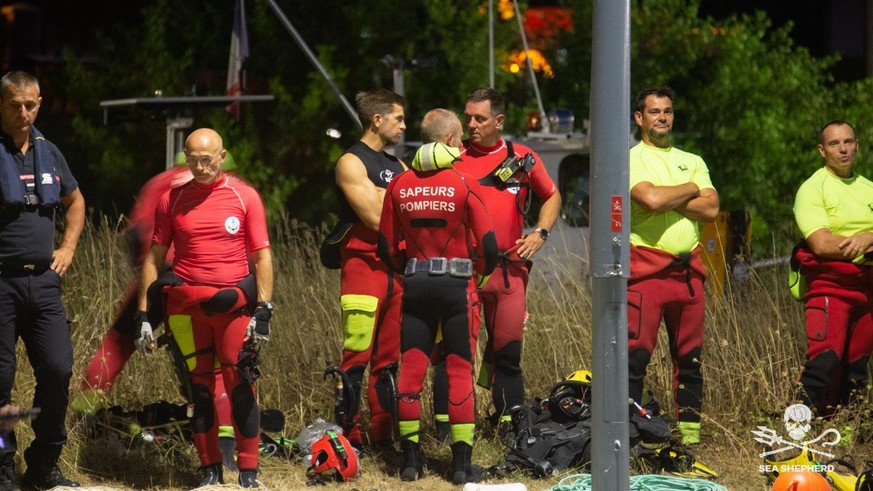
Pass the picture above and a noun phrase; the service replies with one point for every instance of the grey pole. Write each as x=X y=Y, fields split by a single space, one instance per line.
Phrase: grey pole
x=312 y=58
x=610 y=253
x=491 y=43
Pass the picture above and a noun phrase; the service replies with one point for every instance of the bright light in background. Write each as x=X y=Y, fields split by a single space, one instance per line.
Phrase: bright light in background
x=517 y=60
x=333 y=133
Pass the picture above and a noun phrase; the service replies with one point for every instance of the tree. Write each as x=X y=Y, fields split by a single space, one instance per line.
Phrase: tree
x=748 y=100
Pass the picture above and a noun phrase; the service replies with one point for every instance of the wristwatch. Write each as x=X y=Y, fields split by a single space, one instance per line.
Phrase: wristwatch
x=544 y=232
x=267 y=305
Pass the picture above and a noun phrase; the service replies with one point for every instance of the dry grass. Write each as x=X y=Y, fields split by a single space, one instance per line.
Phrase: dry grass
x=752 y=357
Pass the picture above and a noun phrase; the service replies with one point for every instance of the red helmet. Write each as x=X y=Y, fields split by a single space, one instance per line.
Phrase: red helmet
x=801 y=481
x=333 y=451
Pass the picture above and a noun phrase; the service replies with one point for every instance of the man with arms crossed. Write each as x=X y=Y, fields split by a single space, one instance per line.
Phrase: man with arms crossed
x=834 y=212
x=671 y=194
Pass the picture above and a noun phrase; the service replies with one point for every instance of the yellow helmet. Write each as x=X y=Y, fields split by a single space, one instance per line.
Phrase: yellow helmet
x=583 y=376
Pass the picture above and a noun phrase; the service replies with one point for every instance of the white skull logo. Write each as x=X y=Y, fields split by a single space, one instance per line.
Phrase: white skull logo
x=797 y=418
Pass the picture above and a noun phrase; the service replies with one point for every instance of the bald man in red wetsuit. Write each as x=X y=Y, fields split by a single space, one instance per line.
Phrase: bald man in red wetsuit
x=214 y=221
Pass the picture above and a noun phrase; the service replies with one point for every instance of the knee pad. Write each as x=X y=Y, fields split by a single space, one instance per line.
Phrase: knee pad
x=356 y=377
x=507 y=360
x=386 y=388
x=359 y=321
x=245 y=410
x=204 y=411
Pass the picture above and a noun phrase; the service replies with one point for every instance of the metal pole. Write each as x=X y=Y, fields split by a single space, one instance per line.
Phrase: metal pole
x=300 y=42
x=610 y=253
x=175 y=142
x=530 y=70
x=400 y=90
x=491 y=43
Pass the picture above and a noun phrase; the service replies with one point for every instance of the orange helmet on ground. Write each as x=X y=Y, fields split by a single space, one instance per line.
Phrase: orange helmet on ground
x=333 y=451
x=801 y=481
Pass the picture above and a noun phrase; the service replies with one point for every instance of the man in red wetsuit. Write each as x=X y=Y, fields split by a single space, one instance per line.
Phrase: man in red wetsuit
x=369 y=292
x=213 y=222
x=440 y=216
x=503 y=296
x=118 y=345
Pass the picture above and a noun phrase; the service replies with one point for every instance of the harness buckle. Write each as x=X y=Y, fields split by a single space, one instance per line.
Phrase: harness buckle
x=437 y=266
x=460 y=267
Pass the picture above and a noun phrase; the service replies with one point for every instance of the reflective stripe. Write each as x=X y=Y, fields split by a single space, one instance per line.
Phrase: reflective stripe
x=409 y=429
x=463 y=432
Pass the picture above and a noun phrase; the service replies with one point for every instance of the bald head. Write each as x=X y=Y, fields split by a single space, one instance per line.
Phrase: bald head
x=204 y=154
x=441 y=126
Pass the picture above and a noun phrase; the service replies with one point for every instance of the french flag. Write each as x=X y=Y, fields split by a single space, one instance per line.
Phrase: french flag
x=239 y=51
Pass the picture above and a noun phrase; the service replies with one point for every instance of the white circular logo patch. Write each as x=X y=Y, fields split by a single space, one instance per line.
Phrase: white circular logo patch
x=231 y=225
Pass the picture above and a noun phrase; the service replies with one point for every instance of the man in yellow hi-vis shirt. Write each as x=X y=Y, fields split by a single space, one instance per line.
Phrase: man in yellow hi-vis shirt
x=671 y=193
x=834 y=211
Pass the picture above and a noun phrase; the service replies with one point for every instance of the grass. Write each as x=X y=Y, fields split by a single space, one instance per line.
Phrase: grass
x=753 y=354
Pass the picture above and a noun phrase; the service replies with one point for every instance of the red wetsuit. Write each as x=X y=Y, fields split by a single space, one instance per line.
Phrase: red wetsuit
x=212 y=227
x=118 y=346
x=438 y=214
x=664 y=285
x=503 y=296
x=839 y=329
x=370 y=299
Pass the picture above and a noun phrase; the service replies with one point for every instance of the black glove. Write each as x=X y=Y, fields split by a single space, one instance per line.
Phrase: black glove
x=258 y=330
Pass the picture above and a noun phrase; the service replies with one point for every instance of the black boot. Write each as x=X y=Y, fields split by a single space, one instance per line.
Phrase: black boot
x=412 y=460
x=463 y=470
x=47 y=478
x=211 y=475
x=248 y=478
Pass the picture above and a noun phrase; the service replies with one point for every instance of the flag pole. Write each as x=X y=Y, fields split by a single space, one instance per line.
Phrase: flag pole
x=312 y=58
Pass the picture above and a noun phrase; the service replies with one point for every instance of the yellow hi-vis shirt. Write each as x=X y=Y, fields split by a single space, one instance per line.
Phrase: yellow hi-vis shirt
x=843 y=206
x=666 y=230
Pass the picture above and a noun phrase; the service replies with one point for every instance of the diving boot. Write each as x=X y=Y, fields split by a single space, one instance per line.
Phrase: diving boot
x=211 y=475
x=463 y=470
x=412 y=460
x=248 y=478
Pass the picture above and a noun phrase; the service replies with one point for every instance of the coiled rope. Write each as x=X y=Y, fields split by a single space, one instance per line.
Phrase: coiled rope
x=650 y=482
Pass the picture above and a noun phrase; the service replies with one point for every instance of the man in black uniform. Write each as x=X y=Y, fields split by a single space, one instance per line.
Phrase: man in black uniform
x=34 y=180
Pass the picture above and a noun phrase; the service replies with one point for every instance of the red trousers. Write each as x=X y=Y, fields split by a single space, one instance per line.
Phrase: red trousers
x=669 y=287
x=370 y=296
x=215 y=341
x=839 y=329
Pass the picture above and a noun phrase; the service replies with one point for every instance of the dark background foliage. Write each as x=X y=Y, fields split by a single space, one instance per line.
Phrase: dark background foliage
x=749 y=99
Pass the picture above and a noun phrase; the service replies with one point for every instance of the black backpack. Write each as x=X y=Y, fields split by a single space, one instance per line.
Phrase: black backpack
x=554 y=434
